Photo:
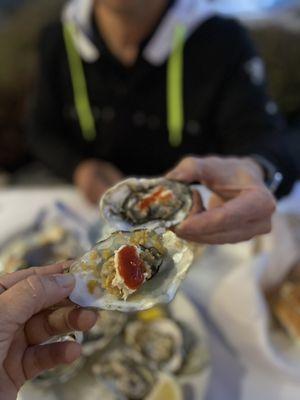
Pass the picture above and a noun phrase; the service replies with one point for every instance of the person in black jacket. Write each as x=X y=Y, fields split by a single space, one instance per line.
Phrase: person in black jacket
x=131 y=87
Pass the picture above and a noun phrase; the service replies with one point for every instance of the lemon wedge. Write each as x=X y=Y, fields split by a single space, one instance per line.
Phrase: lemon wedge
x=152 y=314
x=167 y=388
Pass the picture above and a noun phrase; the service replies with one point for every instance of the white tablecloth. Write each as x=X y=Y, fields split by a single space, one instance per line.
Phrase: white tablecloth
x=232 y=379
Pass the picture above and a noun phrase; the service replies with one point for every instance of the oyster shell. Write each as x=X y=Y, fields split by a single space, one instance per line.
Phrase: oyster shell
x=58 y=375
x=34 y=248
x=125 y=370
x=160 y=264
x=146 y=203
x=196 y=352
x=63 y=373
x=109 y=325
x=160 y=342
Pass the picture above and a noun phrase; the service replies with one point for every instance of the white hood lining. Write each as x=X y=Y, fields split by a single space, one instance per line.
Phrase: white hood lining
x=190 y=13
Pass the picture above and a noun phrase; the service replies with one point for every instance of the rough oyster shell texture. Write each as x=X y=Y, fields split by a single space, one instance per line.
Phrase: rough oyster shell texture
x=161 y=288
x=125 y=371
x=146 y=203
x=159 y=341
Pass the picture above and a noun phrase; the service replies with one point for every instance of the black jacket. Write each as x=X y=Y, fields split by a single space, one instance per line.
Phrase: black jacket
x=227 y=111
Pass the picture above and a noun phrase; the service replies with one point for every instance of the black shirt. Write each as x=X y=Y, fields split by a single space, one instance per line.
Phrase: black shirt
x=226 y=111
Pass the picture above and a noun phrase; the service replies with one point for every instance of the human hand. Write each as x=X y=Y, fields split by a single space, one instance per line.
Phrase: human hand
x=241 y=207
x=94 y=177
x=26 y=321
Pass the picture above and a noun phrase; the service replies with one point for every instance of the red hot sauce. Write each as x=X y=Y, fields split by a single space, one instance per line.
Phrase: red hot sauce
x=156 y=197
x=131 y=267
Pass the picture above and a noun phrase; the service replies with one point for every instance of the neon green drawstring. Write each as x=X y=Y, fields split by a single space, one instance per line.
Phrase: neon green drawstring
x=175 y=75
x=81 y=96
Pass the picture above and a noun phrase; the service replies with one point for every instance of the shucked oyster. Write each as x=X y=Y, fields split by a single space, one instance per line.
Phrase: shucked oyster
x=160 y=342
x=131 y=271
x=126 y=370
x=146 y=203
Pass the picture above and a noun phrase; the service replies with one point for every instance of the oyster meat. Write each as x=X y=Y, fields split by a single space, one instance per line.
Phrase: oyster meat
x=131 y=271
x=126 y=370
x=146 y=203
x=160 y=342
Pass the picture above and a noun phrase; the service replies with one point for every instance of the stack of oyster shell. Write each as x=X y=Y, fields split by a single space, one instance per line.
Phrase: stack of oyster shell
x=128 y=354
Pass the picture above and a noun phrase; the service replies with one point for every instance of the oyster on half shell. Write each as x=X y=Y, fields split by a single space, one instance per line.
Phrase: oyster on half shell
x=125 y=370
x=160 y=342
x=131 y=271
x=146 y=203
x=63 y=373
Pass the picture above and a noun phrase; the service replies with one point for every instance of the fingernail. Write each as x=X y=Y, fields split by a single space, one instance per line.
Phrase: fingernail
x=65 y=281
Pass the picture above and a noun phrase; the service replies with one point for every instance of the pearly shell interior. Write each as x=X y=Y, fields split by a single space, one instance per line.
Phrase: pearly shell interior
x=160 y=289
x=112 y=202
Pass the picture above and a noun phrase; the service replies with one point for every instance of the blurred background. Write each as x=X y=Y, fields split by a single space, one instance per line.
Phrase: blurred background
x=49 y=224
x=274 y=24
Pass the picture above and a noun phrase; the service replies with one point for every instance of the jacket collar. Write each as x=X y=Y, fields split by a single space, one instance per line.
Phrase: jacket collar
x=190 y=13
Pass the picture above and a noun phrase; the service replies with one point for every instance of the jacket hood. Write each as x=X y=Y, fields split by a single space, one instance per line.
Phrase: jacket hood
x=189 y=13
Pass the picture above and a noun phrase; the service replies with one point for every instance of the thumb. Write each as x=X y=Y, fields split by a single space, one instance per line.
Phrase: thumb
x=190 y=169
x=28 y=297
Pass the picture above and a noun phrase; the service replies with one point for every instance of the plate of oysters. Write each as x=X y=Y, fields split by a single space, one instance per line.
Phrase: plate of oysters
x=158 y=354
x=149 y=342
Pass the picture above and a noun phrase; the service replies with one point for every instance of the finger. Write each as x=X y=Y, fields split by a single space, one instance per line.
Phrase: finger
x=38 y=359
x=197 y=206
x=95 y=191
x=188 y=170
x=43 y=326
x=236 y=236
x=9 y=280
x=252 y=205
x=215 y=201
x=111 y=175
x=28 y=297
